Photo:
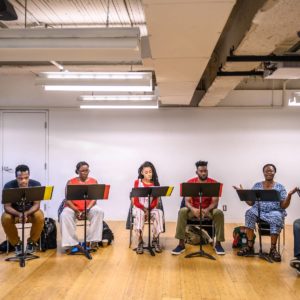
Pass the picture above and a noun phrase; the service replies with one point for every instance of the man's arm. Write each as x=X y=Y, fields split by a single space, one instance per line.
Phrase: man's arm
x=10 y=210
x=188 y=204
x=213 y=205
x=35 y=207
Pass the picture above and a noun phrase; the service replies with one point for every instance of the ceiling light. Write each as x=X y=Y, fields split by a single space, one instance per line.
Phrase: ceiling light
x=122 y=105
x=117 y=98
x=96 y=81
x=107 y=45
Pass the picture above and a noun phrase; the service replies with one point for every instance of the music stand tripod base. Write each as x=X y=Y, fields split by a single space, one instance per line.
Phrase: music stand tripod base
x=21 y=259
x=200 y=254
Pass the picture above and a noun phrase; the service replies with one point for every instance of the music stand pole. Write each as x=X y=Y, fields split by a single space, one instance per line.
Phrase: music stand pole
x=149 y=247
x=24 y=256
x=261 y=254
x=201 y=252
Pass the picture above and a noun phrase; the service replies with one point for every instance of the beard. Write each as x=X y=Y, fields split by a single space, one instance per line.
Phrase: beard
x=203 y=177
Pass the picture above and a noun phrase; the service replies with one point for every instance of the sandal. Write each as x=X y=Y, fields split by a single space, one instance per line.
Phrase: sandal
x=156 y=245
x=247 y=250
x=140 y=248
x=275 y=255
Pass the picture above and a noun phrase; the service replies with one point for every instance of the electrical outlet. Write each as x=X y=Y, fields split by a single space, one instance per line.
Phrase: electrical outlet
x=224 y=207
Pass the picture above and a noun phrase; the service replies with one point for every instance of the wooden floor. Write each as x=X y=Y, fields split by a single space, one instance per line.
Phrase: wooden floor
x=116 y=272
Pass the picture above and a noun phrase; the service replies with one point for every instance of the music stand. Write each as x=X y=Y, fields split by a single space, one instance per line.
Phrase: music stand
x=258 y=196
x=200 y=190
x=23 y=196
x=86 y=192
x=153 y=191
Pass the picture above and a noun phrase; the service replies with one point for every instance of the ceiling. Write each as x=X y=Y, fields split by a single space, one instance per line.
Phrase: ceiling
x=189 y=41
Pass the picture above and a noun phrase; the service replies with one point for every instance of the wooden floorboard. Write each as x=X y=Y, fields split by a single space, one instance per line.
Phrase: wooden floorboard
x=117 y=272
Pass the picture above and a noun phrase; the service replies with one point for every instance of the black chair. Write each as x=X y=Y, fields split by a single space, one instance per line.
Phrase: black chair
x=207 y=223
x=264 y=230
x=130 y=219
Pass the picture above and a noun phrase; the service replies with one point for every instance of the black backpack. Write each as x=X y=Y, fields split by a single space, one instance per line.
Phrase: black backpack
x=48 y=235
x=4 y=245
x=107 y=234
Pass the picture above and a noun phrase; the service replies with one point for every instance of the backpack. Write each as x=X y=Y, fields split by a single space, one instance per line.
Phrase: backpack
x=48 y=235
x=3 y=247
x=240 y=237
x=192 y=235
x=107 y=234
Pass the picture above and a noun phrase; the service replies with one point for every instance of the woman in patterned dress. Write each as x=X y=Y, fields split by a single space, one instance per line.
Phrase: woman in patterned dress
x=271 y=212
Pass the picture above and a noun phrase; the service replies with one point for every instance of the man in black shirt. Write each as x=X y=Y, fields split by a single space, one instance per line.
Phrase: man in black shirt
x=13 y=213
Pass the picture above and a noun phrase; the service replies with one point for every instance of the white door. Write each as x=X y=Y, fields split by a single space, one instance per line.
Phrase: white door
x=24 y=141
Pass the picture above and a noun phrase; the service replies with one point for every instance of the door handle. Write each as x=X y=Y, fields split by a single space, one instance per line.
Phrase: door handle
x=7 y=169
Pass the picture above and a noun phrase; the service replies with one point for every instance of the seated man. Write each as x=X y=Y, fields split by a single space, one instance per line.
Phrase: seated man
x=13 y=213
x=74 y=209
x=295 y=263
x=192 y=211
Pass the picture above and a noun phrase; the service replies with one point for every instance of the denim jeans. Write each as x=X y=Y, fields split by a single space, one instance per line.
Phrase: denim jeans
x=297 y=238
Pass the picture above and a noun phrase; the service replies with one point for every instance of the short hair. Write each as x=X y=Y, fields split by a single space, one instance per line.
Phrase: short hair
x=269 y=165
x=79 y=165
x=21 y=168
x=201 y=163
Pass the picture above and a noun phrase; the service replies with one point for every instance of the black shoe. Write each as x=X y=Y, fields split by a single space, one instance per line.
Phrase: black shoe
x=295 y=263
x=18 y=249
x=30 y=247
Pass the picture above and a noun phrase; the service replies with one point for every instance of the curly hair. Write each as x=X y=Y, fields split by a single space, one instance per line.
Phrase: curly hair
x=201 y=163
x=148 y=164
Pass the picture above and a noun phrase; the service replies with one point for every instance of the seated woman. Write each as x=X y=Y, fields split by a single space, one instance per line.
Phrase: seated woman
x=147 y=177
x=74 y=209
x=271 y=212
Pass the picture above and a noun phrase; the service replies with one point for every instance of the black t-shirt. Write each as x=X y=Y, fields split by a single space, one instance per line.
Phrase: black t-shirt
x=13 y=185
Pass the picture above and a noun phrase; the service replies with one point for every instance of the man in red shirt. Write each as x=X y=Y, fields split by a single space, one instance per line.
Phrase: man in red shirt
x=192 y=211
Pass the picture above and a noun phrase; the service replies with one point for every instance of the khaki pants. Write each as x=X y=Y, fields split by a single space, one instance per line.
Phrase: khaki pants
x=185 y=214
x=9 y=225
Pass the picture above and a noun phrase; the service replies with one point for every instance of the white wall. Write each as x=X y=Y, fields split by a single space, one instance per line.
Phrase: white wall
x=236 y=142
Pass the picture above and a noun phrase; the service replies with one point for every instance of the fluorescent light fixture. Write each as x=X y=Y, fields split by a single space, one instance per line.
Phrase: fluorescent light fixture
x=96 y=81
x=117 y=98
x=295 y=99
x=114 y=45
x=122 y=105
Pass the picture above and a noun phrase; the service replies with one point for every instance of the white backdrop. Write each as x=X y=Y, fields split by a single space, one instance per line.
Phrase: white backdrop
x=236 y=142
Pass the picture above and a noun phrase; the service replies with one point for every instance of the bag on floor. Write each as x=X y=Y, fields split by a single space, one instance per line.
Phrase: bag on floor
x=4 y=245
x=192 y=235
x=48 y=238
x=107 y=234
x=240 y=237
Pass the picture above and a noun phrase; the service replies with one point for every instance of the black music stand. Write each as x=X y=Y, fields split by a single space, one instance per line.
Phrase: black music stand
x=23 y=196
x=86 y=192
x=154 y=191
x=200 y=190
x=258 y=196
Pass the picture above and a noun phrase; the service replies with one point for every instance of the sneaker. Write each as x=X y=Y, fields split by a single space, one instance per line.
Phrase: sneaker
x=219 y=249
x=30 y=248
x=295 y=263
x=178 y=250
x=156 y=245
x=18 y=249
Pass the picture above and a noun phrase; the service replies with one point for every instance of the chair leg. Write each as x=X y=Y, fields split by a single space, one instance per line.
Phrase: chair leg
x=130 y=235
